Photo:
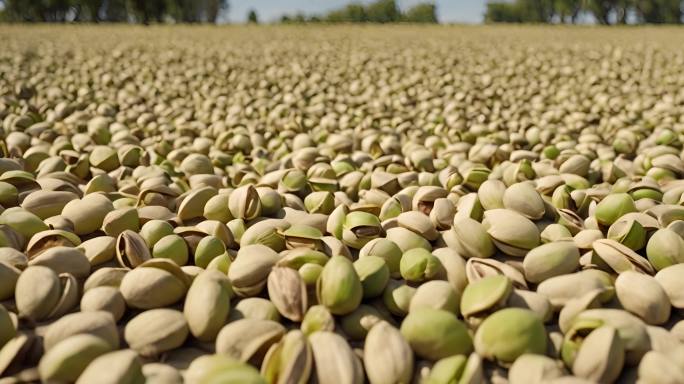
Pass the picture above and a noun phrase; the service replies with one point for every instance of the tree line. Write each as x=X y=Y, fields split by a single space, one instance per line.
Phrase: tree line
x=380 y=11
x=141 y=11
x=607 y=12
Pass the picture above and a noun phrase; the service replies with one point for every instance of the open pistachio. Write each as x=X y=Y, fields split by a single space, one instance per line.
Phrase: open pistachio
x=248 y=340
x=288 y=361
x=509 y=333
x=334 y=359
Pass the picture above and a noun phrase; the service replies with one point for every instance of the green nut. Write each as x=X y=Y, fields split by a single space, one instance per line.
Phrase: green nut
x=153 y=230
x=435 y=334
x=216 y=369
x=374 y=275
x=628 y=232
x=418 y=265
x=339 y=288
x=172 y=247
x=551 y=259
x=612 y=207
x=385 y=249
x=665 y=248
x=485 y=296
x=436 y=294
x=69 y=358
x=509 y=333
x=207 y=249
x=317 y=318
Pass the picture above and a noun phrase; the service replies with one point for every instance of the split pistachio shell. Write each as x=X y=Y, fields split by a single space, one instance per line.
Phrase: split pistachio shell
x=99 y=250
x=64 y=260
x=470 y=239
x=643 y=296
x=485 y=295
x=524 y=199
x=156 y=331
x=560 y=289
x=388 y=357
x=601 y=356
x=288 y=361
x=397 y=297
x=154 y=285
x=131 y=249
x=317 y=318
x=244 y=203
x=207 y=304
x=373 y=273
x=385 y=249
x=250 y=270
x=248 y=339
x=533 y=301
x=509 y=333
x=339 y=287
x=121 y=366
x=511 y=232
x=434 y=334
x=287 y=291
x=334 y=359
x=436 y=294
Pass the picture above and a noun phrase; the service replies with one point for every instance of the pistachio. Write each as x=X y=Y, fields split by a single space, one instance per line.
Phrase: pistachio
x=114 y=367
x=104 y=298
x=643 y=296
x=221 y=369
x=156 y=331
x=434 y=334
x=70 y=357
x=289 y=360
x=387 y=356
x=511 y=232
x=154 y=284
x=287 y=292
x=549 y=260
x=418 y=265
x=509 y=333
x=250 y=270
x=339 y=288
x=670 y=281
x=98 y=323
x=64 y=260
x=334 y=359
x=131 y=249
x=99 y=250
x=88 y=213
x=385 y=249
x=207 y=304
x=248 y=339
x=174 y=248
x=601 y=356
x=531 y=368
x=7 y=327
x=469 y=238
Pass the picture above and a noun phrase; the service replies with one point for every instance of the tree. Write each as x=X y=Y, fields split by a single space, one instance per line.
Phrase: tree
x=383 y=11
x=502 y=13
x=422 y=13
x=252 y=17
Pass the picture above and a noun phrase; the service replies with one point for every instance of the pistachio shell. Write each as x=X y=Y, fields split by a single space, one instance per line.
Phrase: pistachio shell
x=531 y=368
x=339 y=287
x=88 y=213
x=114 y=367
x=509 y=333
x=434 y=334
x=388 y=358
x=156 y=331
x=70 y=357
x=288 y=361
x=551 y=259
x=248 y=339
x=601 y=356
x=670 y=281
x=37 y=292
x=99 y=250
x=207 y=305
x=98 y=323
x=104 y=298
x=643 y=296
x=511 y=232
x=334 y=359
x=287 y=292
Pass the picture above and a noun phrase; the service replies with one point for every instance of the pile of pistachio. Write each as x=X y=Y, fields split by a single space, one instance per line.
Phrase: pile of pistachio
x=340 y=205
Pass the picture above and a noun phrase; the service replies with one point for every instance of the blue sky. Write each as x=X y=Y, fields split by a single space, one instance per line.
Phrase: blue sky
x=448 y=11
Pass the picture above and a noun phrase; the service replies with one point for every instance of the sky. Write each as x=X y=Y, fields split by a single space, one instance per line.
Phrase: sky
x=448 y=11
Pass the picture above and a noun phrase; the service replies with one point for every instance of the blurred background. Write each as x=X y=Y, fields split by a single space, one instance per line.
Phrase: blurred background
x=607 y=12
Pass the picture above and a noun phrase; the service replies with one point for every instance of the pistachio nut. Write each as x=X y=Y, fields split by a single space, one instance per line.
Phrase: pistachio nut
x=434 y=334
x=221 y=369
x=418 y=265
x=334 y=359
x=387 y=356
x=121 y=366
x=207 y=304
x=339 y=288
x=131 y=249
x=532 y=368
x=551 y=259
x=64 y=260
x=436 y=294
x=397 y=297
x=69 y=358
x=665 y=247
x=385 y=249
x=250 y=270
x=98 y=323
x=670 y=281
x=469 y=238
x=88 y=213
x=643 y=296
x=254 y=308
x=244 y=203
x=287 y=291
x=289 y=360
x=174 y=248
x=104 y=298
x=154 y=284
x=99 y=250
x=156 y=331
x=509 y=333
x=511 y=232
x=484 y=296
x=601 y=356
x=248 y=339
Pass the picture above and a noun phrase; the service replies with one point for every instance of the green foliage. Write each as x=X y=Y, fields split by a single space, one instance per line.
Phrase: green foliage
x=380 y=11
x=604 y=11
x=142 y=11
x=422 y=13
x=252 y=17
